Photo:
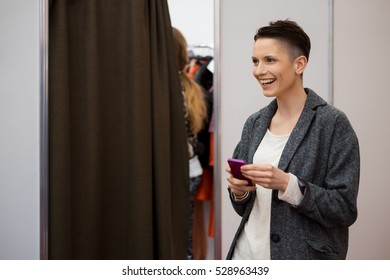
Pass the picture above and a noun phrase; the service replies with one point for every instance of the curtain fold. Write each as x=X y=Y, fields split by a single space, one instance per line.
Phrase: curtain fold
x=118 y=166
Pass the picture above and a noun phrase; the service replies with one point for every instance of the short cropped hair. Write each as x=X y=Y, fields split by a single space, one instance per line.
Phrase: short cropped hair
x=289 y=32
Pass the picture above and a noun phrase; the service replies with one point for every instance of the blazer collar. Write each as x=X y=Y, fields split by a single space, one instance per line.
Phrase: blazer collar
x=299 y=131
x=301 y=128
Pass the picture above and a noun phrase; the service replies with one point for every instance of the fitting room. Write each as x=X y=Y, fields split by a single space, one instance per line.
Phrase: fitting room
x=90 y=134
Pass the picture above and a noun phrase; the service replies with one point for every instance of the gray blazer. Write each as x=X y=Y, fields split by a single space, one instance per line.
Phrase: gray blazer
x=323 y=152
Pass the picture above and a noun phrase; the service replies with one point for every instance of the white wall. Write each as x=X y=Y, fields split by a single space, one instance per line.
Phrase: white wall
x=361 y=75
x=19 y=126
x=195 y=19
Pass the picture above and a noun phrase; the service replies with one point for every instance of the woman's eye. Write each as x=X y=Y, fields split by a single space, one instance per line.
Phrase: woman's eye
x=255 y=61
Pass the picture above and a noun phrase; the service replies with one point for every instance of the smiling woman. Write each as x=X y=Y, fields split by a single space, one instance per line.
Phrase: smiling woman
x=234 y=43
x=286 y=144
x=272 y=67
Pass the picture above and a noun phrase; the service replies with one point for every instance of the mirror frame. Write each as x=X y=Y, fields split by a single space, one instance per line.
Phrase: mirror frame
x=44 y=127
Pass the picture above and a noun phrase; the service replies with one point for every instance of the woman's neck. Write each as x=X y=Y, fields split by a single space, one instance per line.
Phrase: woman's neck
x=289 y=110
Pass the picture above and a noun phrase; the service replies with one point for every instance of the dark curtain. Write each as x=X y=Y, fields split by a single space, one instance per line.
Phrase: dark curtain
x=118 y=164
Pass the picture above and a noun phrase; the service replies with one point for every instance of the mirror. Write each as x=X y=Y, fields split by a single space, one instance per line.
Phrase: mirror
x=195 y=20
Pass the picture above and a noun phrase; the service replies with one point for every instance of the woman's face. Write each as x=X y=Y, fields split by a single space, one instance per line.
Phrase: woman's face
x=274 y=68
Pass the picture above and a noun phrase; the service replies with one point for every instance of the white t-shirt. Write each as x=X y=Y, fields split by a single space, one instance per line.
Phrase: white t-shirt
x=254 y=241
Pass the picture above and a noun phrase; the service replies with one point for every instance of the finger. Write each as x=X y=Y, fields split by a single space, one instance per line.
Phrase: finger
x=241 y=189
x=257 y=175
x=237 y=182
x=257 y=167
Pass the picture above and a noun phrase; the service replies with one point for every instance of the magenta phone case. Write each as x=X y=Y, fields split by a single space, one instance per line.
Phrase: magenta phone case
x=235 y=165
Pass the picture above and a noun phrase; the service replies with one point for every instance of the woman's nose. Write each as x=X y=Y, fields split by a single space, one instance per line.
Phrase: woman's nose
x=259 y=70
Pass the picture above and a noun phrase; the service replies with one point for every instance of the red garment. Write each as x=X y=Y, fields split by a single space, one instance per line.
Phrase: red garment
x=205 y=190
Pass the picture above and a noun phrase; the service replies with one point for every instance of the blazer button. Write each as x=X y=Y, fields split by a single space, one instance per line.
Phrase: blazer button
x=275 y=238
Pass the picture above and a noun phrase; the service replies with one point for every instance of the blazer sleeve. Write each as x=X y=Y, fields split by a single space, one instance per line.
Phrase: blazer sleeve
x=241 y=152
x=334 y=204
x=240 y=205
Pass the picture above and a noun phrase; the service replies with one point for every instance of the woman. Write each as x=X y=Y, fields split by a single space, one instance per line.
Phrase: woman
x=302 y=155
x=195 y=116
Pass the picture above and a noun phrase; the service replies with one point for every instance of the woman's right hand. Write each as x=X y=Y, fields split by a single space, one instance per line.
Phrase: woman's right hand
x=237 y=186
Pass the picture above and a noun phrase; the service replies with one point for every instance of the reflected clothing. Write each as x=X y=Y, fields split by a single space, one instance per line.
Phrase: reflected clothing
x=194 y=183
x=323 y=153
x=195 y=174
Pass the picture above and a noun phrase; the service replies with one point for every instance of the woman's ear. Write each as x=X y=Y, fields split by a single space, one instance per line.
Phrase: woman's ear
x=300 y=64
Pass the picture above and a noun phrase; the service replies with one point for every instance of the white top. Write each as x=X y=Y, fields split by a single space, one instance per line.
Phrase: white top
x=195 y=168
x=254 y=241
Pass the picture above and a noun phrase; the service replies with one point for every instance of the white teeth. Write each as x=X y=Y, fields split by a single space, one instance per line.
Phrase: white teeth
x=268 y=81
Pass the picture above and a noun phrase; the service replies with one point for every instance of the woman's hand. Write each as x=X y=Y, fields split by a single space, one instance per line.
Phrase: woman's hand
x=237 y=186
x=266 y=175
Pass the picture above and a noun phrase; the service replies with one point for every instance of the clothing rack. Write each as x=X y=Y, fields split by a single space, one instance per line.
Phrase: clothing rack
x=201 y=51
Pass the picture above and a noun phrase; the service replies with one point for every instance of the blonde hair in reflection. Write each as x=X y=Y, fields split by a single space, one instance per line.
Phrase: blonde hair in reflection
x=193 y=93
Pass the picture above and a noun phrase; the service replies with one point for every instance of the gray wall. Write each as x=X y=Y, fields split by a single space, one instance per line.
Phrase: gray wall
x=361 y=60
x=19 y=126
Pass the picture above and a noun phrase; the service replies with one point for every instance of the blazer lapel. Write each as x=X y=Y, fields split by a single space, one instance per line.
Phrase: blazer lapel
x=301 y=128
x=296 y=137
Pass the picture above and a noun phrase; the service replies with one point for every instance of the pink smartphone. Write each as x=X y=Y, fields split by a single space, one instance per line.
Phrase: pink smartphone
x=235 y=166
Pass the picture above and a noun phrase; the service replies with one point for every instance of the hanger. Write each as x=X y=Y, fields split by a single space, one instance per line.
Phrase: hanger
x=201 y=52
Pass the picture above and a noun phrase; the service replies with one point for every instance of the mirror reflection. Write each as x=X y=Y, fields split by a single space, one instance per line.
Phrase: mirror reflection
x=193 y=35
